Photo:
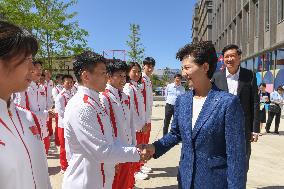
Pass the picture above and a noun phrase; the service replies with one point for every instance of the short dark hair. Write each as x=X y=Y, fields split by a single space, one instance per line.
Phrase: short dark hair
x=230 y=47
x=149 y=61
x=58 y=76
x=113 y=67
x=178 y=75
x=130 y=66
x=262 y=84
x=280 y=88
x=67 y=77
x=37 y=62
x=202 y=52
x=15 y=40
x=86 y=61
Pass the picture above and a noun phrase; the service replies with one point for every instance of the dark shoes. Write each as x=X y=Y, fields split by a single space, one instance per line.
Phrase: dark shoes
x=276 y=132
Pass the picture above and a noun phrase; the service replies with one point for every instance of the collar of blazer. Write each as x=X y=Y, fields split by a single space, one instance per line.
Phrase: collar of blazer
x=208 y=106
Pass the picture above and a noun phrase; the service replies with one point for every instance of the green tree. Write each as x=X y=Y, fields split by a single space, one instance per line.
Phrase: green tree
x=156 y=82
x=136 y=52
x=165 y=77
x=56 y=30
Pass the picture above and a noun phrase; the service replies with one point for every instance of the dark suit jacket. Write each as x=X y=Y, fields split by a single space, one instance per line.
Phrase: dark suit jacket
x=213 y=154
x=249 y=98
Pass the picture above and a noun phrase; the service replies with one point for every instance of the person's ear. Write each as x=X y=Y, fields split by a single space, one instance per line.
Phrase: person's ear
x=85 y=76
x=206 y=67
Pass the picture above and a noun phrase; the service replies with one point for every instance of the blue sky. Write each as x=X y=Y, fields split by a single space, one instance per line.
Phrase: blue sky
x=165 y=25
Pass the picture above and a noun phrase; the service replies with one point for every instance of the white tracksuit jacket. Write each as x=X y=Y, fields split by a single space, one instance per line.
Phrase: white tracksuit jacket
x=35 y=100
x=60 y=103
x=56 y=90
x=133 y=90
x=148 y=97
x=22 y=155
x=48 y=88
x=92 y=150
x=119 y=113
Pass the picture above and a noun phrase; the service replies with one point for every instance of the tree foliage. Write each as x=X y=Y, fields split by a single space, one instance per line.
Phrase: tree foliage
x=57 y=31
x=165 y=77
x=136 y=52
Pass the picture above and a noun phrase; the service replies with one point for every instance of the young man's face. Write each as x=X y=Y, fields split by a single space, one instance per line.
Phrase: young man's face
x=177 y=80
x=98 y=78
x=59 y=80
x=15 y=74
x=117 y=80
x=68 y=83
x=232 y=60
x=262 y=88
x=148 y=69
x=42 y=80
x=47 y=75
x=36 y=73
x=135 y=73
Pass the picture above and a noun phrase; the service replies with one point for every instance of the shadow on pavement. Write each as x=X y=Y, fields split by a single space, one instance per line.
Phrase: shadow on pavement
x=272 y=187
x=281 y=133
x=164 y=172
x=54 y=170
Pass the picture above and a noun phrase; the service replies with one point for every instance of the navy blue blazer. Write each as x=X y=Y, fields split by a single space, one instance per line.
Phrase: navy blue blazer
x=213 y=154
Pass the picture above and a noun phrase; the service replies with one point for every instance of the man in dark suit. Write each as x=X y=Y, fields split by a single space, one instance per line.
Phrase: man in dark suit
x=241 y=82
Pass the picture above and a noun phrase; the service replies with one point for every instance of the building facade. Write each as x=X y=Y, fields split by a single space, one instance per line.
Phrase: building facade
x=256 y=26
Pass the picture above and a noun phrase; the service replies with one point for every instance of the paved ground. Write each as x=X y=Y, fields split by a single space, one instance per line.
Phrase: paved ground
x=266 y=172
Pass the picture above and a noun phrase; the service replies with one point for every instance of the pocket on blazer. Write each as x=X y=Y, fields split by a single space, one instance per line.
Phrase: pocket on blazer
x=217 y=162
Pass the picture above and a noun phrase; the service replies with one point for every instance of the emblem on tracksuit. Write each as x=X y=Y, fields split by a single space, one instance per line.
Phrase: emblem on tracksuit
x=35 y=131
x=2 y=143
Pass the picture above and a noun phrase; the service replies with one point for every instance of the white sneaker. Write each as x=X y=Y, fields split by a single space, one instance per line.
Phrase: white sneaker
x=62 y=171
x=140 y=176
x=146 y=170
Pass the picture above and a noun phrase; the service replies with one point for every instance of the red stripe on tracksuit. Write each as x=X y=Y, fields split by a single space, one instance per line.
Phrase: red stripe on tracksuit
x=85 y=99
x=56 y=137
x=112 y=117
x=62 y=154
x=46 y=140
x=124 y=176
x=49 y=121
x=5 y=125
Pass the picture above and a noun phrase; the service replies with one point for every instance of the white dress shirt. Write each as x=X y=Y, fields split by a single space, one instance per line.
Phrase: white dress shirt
x=233 y=81
x=172 y=92
x=196 y=109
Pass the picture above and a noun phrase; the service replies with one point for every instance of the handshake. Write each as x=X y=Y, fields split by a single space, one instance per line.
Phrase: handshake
x=146 y=152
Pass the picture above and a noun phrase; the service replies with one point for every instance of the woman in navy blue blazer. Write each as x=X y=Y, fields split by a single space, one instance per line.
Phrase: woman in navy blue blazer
x=210 y=125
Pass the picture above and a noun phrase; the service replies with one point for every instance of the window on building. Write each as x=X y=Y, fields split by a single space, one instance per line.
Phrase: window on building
x=279 y=77
x=248 y=23
x=256 y=21
x=280 y=10
x=267 y=7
